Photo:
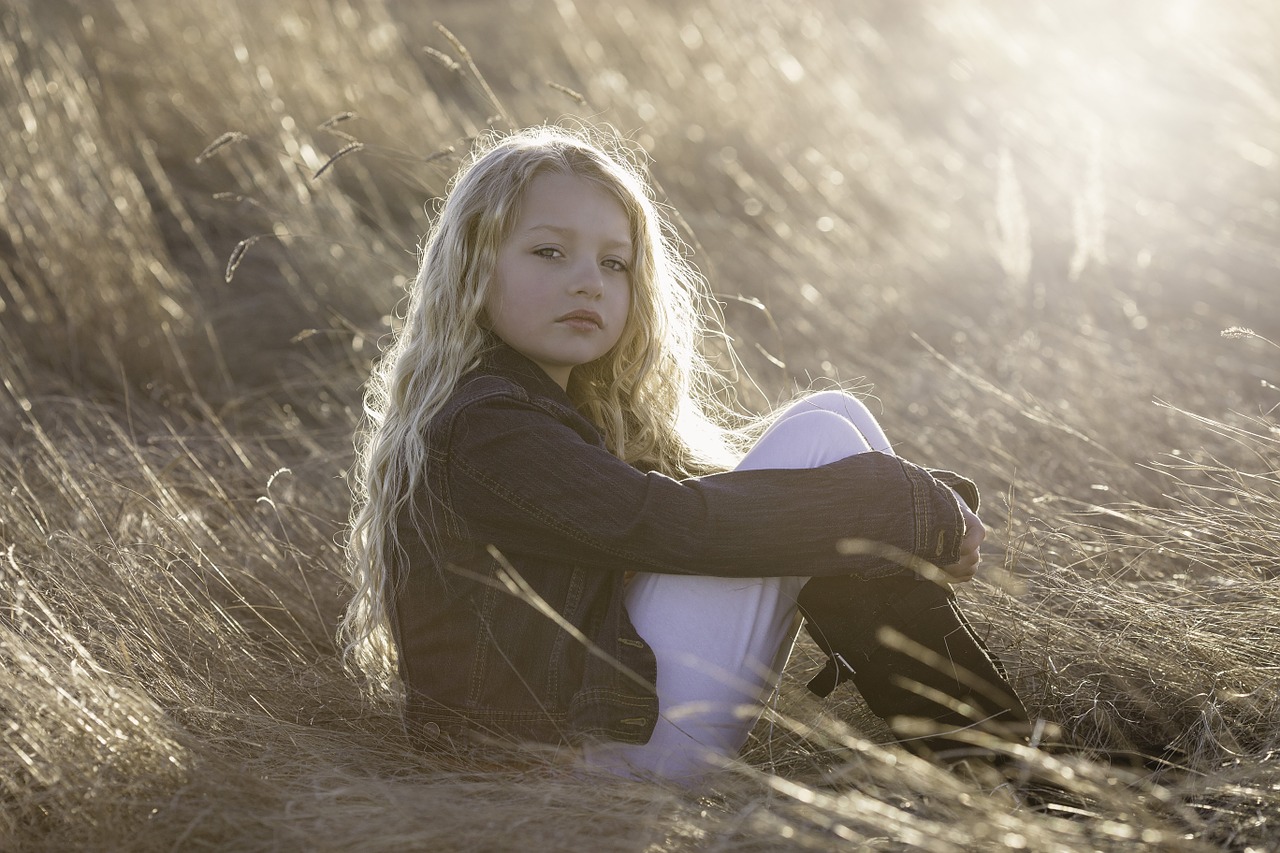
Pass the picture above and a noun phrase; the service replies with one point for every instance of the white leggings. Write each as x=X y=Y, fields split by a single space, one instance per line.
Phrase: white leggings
x=721 y=642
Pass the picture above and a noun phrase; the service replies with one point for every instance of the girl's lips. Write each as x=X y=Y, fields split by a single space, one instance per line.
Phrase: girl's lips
x=582 y=318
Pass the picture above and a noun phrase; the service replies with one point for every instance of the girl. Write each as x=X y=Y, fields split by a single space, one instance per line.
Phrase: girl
x=559 y=537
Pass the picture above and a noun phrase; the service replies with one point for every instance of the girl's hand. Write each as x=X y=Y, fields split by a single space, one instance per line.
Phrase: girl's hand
x=974 y=532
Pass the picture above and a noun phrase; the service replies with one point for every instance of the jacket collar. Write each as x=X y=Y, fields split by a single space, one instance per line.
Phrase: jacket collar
x=500 y=359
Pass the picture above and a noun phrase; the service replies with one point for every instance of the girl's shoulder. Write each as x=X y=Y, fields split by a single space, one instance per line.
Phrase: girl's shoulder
x=481 y=394
x=487 y=404
x=474 y=390
x=477 y=386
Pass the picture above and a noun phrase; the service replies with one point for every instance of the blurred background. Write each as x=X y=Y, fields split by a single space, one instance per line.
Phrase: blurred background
x=1067 y=201
x=1023 y=225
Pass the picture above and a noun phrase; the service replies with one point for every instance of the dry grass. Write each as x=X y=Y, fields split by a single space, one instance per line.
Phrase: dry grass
x=1023 y=227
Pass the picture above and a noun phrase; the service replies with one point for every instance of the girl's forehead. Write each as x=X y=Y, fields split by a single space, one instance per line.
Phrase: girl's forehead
x=565 y=198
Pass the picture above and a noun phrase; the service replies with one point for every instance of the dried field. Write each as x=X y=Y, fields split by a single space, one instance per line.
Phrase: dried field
x=1024 y=224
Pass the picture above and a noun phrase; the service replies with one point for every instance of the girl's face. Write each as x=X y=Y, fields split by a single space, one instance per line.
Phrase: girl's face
x=561 y=289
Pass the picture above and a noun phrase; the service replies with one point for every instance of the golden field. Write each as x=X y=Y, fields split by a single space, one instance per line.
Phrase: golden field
x=1024 y=225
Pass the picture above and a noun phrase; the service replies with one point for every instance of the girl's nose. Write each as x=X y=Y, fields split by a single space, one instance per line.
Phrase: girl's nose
x=589 y=280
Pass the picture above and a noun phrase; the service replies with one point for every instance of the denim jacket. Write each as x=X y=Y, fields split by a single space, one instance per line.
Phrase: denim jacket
x=507 y=608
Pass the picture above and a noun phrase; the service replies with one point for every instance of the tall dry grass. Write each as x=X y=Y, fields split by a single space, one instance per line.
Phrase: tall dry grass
x=1025 y=227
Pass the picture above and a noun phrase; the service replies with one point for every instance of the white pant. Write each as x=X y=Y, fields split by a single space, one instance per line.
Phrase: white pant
x=721 y=642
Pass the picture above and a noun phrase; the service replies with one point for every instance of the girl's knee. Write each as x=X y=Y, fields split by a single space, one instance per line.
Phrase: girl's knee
x=840 y=402
x=816 y=425
x=851 y=408
x=806 y=439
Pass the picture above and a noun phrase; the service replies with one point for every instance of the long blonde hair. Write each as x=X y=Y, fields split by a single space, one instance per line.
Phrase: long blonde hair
x=654 y=396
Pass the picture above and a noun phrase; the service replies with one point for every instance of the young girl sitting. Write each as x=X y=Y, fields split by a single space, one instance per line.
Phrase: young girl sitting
x=559 y=537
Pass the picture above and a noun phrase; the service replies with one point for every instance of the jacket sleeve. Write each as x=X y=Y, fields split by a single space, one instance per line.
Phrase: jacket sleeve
x=964 y=487
x=521 y=480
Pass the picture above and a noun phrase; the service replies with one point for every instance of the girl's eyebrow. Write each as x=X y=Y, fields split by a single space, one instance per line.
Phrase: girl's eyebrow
x=572 y=232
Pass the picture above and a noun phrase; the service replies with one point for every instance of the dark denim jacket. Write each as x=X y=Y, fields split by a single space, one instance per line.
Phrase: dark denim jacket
x=508 y=612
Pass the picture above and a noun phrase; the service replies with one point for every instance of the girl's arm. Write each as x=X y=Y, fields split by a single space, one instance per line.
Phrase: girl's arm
x=520 y=479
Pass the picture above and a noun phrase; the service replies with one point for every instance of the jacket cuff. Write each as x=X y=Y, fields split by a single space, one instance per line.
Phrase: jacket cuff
x=966 y=488
x=939 y=526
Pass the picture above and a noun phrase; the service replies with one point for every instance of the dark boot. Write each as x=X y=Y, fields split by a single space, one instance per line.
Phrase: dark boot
x=905 y=644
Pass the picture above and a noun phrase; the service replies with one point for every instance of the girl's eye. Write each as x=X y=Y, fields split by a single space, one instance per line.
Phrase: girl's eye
x=615 y=264
x=548 y=252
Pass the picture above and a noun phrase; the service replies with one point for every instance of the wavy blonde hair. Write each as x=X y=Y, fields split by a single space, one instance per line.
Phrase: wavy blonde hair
x=655 y=397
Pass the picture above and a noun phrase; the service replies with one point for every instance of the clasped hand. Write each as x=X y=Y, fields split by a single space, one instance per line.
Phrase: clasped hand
x=963 y=569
